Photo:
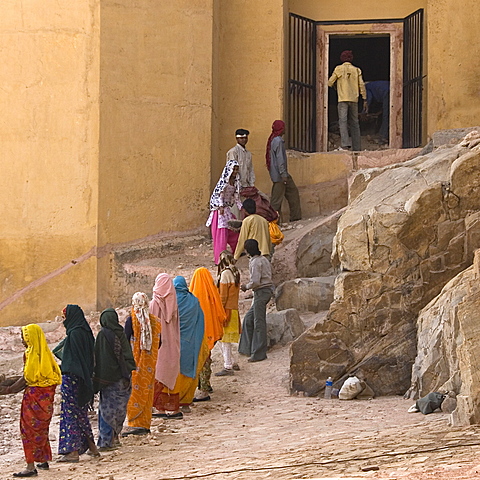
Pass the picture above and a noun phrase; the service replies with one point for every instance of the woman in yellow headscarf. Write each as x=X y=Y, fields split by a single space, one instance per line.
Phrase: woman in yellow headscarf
x=41 y=375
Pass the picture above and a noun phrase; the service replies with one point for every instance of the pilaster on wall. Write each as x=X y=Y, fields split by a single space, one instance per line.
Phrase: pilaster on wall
x=453 y=76
x=250 y=77
x=155 y=121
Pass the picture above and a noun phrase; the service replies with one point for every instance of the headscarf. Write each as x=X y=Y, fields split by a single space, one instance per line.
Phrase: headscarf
x=346 y=56
x=278 y=127
x=113 y=353
x=78 y=355
x=192 y=328
x=215 y=201
x=226 y=261
x=141 y=310
x=204 y=289
x=164 y=306
x=40 y=369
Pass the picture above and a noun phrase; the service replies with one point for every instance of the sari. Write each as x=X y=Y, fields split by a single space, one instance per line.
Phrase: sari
x=139 y=408
x=203 y=287
x=193 y=347
x=112 y=377
x=164 y=307
x=42 y=375
x=77 y=353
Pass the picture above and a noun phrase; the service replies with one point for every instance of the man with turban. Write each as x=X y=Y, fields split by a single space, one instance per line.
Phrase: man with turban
x=283 y=184
x=240 y=154
x=349 y=84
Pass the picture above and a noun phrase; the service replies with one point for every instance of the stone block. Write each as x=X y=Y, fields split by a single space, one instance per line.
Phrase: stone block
x=284 y=326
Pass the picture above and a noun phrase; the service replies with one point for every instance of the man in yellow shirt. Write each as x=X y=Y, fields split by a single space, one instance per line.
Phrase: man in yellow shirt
x=349 y=83
x=253 y=227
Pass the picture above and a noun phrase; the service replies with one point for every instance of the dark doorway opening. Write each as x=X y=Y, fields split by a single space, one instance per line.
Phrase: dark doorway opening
x=372 y=55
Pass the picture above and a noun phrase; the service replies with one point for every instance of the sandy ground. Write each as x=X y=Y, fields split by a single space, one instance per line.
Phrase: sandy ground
x=253 y=429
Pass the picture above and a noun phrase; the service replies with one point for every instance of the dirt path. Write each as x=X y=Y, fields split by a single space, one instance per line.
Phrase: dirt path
x=253 y=429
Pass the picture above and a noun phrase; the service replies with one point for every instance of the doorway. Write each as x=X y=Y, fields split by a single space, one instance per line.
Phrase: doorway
x=395 y=51
x=371 y=53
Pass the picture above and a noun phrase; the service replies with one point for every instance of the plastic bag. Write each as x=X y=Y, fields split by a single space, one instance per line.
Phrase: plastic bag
x=429 y=403
x=350 y=389
x=276 y=235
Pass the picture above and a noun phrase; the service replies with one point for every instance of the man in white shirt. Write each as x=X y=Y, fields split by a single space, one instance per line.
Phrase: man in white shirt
x=243 y=157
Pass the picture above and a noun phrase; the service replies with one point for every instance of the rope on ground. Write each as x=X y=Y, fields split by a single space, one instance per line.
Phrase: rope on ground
x=322 y=463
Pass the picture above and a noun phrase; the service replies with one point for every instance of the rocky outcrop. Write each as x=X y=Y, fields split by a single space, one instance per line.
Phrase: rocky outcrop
x=412 y=228
x=309 y=253
x=305 y=294
x=283 y=327
x=448 y=344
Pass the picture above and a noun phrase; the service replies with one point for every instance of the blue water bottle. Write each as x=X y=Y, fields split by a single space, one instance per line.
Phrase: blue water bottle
x=328 y=388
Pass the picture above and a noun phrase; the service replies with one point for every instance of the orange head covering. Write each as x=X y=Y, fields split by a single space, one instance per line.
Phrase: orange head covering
x=203 y=287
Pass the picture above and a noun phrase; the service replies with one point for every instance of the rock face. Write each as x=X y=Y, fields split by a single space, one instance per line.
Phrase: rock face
x=448 y=345
x=412 y=228
x=305 y=294
x=283 y=327
x=309 y=254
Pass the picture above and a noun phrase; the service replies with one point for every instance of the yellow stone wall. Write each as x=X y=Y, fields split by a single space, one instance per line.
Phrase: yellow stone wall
x=117 y=115
x=49 y=148
x=453 y=72
x=250 y=78
x=155 y=121
x=349 y=10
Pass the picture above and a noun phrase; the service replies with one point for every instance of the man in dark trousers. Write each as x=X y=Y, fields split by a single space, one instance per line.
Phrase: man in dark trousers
x=253 y=341
x=283 y=184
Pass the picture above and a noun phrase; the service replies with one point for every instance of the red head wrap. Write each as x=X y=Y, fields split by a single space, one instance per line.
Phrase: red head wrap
x=278 y=127
x=346 y=56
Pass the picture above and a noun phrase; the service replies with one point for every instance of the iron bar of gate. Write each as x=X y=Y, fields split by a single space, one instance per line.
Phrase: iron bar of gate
x=301 y=115
x=413 y=79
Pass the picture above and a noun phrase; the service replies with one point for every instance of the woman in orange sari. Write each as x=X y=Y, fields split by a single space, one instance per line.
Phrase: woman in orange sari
x=143 y=330
x=203 y=287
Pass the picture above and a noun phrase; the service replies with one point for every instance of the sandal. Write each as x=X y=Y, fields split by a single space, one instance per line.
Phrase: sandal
x=136 y=431
x=66 y=459
x=26 y=473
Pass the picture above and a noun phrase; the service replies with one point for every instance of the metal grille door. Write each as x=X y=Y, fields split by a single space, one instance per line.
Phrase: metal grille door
x=301 y=115
x=412 y=79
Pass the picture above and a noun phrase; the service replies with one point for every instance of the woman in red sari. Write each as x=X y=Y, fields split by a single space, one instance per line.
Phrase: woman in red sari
x=41 y=375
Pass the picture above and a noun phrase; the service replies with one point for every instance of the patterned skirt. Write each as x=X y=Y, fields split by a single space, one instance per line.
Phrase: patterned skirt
x=35 y=416
x=112 y=411
x=75 y=428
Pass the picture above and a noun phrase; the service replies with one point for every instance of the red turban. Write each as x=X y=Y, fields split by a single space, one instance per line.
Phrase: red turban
x=346 y=56
x=278 y=127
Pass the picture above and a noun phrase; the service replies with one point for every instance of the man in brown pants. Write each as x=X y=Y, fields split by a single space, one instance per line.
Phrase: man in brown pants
x=283 y=184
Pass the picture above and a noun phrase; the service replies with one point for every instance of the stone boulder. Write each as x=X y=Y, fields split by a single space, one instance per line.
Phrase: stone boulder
x=309 y=253
x=284 y=327
x=305 y=294
x=448 y=342
x=412 y=229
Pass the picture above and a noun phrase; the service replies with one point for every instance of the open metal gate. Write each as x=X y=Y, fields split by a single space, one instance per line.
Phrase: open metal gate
x=412 y=79
x=301 y=114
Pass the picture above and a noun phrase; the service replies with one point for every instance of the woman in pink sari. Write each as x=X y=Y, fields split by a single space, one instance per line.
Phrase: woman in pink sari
x=225 y=195
x=164 y=307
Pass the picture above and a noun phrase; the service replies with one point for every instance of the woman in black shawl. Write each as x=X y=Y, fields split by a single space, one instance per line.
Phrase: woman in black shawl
x=112 y=378
x=76 y=353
